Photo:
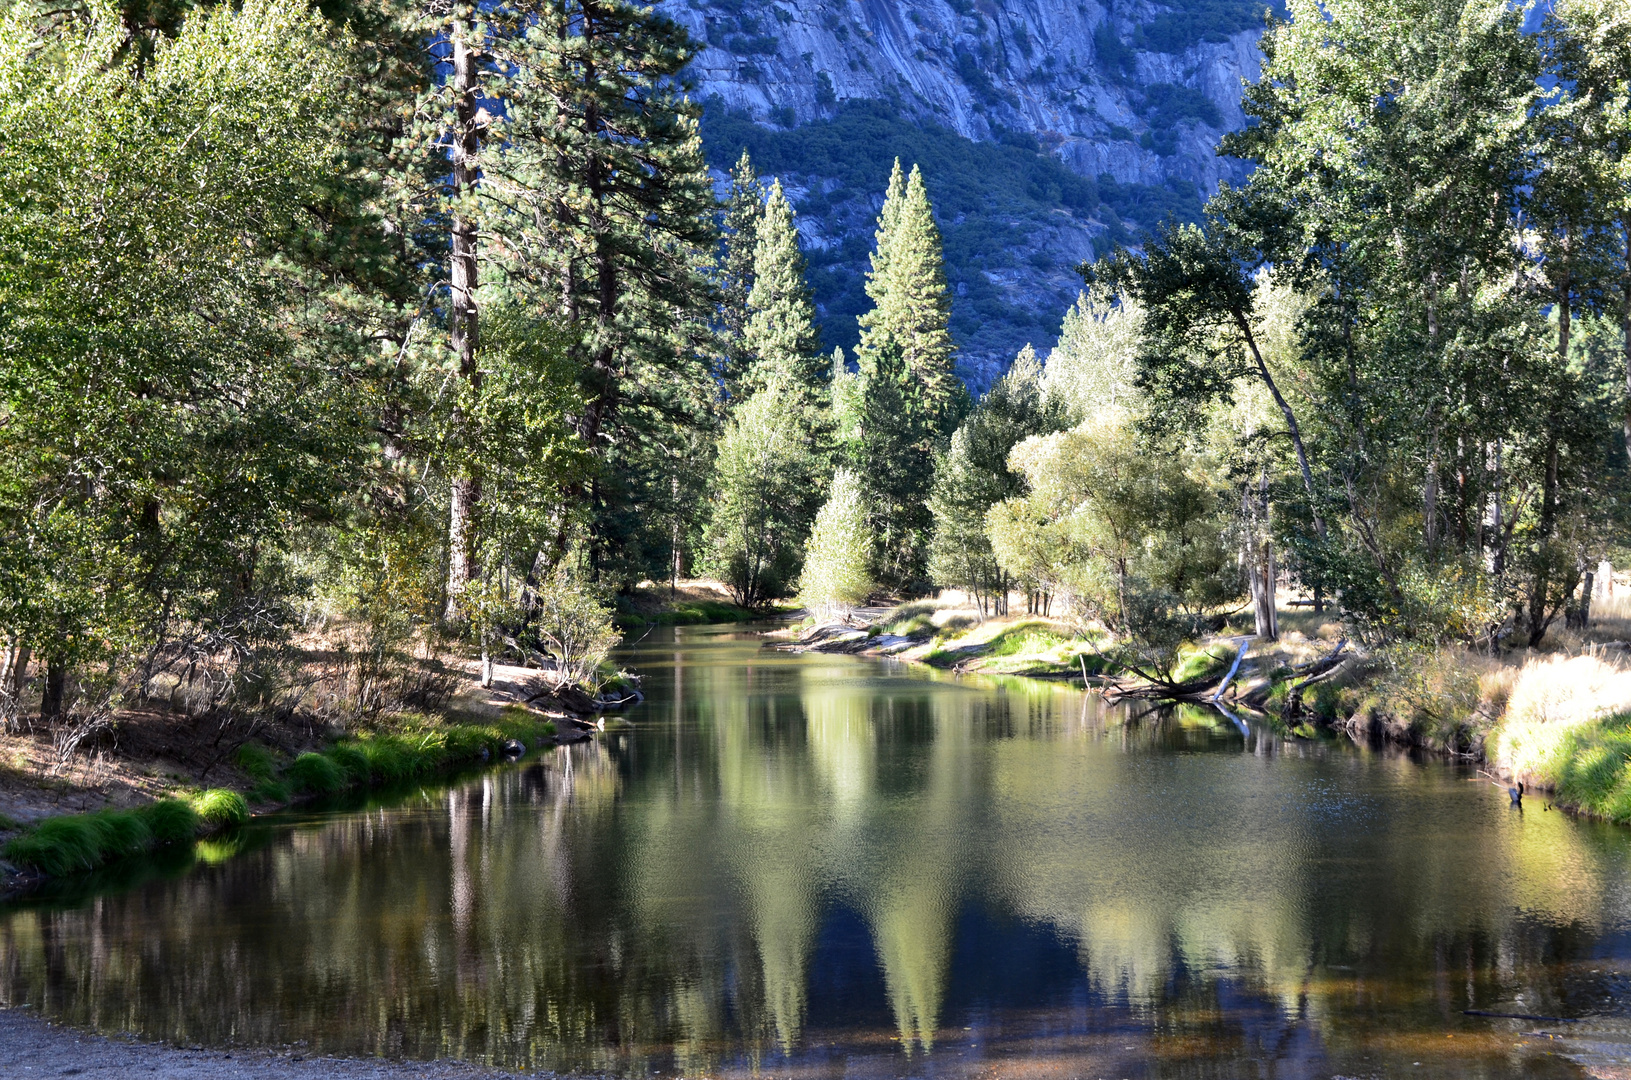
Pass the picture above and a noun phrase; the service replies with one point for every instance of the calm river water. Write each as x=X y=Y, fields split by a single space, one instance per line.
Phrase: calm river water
x=830 y=866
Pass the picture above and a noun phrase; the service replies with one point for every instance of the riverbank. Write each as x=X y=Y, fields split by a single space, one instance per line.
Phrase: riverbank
x=31 y=1046
x=399 y=715
x=1557 y=718
x=155 y=776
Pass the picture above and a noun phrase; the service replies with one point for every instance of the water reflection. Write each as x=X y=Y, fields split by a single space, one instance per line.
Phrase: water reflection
x=828 y=866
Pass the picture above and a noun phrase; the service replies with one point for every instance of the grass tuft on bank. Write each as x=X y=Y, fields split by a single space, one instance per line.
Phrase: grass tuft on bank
x=1568 y=728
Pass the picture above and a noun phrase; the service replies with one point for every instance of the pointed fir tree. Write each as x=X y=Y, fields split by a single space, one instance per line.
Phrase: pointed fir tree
x=877 y=279
x=781 y=333
x=910 y=398
x=744 y=206
x=912 y=309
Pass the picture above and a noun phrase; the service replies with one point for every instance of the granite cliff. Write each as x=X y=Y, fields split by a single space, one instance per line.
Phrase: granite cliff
x=1046 y=128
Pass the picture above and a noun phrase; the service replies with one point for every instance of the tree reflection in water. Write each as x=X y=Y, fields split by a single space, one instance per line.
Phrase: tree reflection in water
x=824 y=865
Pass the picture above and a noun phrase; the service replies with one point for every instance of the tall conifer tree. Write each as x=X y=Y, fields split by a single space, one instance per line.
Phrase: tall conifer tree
x=911 y=398
x=780 y=332
x=613 y=176
x=744 y=206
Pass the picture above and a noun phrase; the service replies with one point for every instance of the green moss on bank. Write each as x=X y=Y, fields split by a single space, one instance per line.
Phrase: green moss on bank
x=686 y=613
x=420 y=749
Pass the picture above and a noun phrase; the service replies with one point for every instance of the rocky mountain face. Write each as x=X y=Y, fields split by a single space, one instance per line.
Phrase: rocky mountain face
x=1046 y=129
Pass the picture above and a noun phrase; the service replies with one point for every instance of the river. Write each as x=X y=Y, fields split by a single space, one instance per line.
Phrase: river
x=831 y=866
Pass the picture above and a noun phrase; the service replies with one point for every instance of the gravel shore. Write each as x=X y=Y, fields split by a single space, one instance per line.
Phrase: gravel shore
x=31 y=1046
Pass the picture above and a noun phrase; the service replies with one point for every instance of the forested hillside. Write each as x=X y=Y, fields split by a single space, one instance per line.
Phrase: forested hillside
x=1056 y=129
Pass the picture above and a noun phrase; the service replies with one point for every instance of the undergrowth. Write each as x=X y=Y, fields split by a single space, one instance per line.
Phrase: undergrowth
x=1568 y=727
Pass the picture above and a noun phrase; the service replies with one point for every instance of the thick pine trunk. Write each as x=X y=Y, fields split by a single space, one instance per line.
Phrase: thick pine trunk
x=465 y=498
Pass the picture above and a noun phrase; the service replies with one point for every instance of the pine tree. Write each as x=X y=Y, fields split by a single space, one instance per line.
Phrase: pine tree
x=605 y=173
x=781 y=333
x=877 y=279
x=911 y=399
x=744 y=206
x=911 y=308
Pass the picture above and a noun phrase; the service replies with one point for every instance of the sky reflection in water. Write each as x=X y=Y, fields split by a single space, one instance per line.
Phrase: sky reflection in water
x=823 y=866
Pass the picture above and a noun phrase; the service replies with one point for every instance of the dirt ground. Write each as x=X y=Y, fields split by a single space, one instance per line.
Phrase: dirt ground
x=30 y=1046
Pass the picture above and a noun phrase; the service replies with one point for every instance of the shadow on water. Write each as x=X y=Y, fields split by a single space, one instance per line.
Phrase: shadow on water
x=819 y=865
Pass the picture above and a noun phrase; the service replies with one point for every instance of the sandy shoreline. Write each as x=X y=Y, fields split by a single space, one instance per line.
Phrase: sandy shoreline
x=32 y=1046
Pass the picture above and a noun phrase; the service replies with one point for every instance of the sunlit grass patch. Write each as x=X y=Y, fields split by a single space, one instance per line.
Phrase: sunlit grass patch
x=1210 y=662
x=1568 y=727
x=220 y=808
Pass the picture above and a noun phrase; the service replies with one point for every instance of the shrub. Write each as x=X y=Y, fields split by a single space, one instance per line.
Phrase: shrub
x=576 y=624
x=220 y=808
x=353 y=762
x=171 y=821
x=122 y=832
x=255 y=761
x=316 y=774
x=835 y=578
x=59 y=846
x=389 y=761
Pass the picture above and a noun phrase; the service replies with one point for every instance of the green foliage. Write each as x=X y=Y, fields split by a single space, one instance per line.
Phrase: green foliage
x=837 y=561
x=220 y=808
x=780 y=334
x=974 y=475
x=255 y=761
x=79 y=842
x=162 y=425
x=59 y=846
x=171 y=821
x=766 y=481
x=315 y=774
x=744 y=206
x=1204 y=663
x=1135 y=535
x=988 y=195
x=687 y=613
x=1190 y=22
x=909 y=397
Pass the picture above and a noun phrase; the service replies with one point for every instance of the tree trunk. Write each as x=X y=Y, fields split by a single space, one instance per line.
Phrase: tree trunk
x=1625 y=331
x=674 y=537
x=1429 y=499
x=1259 y=560
x=1499 y=563
x=56 y=682
x=466 y=487
x=1548 y=518
x=1291 y=422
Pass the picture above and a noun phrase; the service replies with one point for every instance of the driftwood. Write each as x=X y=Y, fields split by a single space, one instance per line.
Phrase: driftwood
x=1245 y=643
x=1318 y=671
